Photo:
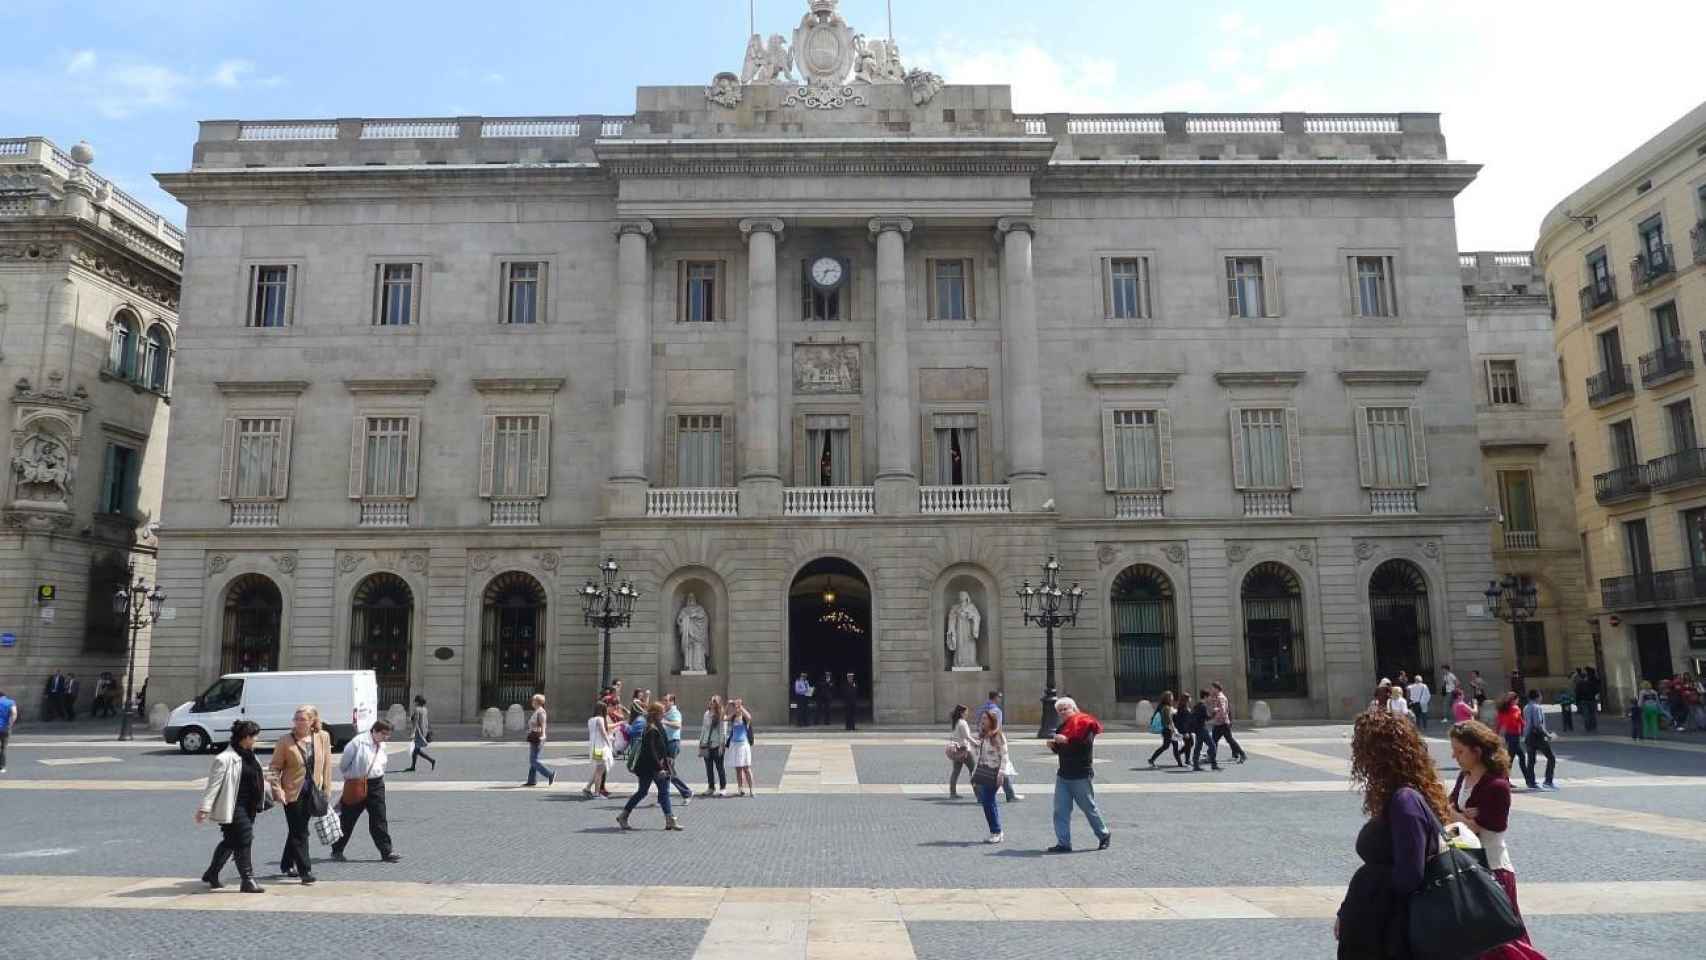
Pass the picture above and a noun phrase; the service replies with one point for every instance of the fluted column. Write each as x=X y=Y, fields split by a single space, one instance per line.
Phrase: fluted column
x=761 y=478
x=625 y=493
x=897 y=484
x=1024 y=413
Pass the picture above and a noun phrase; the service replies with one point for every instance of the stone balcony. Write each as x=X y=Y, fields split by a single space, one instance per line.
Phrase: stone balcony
x=254 y=514
x=383 y=513
x=829 y=501
x=1386 y=503
x=516 y=512
x=1522 y=540
x=116 y=213
x=1267 y=503
x=974 y=498
x=1140 y=506
x=693 y=502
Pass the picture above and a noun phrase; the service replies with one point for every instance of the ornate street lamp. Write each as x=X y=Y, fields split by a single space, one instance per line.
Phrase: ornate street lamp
x=1513 y=599
x=609 y=604
x=138 y=605
x=1049 y=607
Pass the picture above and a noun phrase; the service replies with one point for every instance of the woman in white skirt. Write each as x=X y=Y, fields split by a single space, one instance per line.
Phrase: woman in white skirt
x=740 y=747
x=598 y=745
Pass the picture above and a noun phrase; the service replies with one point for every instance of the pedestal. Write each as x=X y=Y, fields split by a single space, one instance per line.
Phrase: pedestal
x=625 y=497
x=896 y=495
x=966 y=669
x=761 y=496
x=694 y=673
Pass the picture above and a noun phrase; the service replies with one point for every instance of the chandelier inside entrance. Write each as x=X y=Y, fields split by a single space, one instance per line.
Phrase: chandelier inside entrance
x=835 y=617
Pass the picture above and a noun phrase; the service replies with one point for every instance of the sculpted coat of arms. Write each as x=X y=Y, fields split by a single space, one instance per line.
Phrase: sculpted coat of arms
x=834 y=63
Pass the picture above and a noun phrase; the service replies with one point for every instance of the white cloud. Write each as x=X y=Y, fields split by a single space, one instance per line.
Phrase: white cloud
x=1316 y=48
x=494 y=78
x=80 y=61
x=131 y=87
x=1231 y=22
x=1225 y=58
x=1086 y=85
x=229 y=73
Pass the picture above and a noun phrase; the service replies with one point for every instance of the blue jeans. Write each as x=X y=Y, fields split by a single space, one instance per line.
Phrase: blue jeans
x=662 y=780
x=675 y=751
x=534 y=767
x=1080 y=792
x=991 y=812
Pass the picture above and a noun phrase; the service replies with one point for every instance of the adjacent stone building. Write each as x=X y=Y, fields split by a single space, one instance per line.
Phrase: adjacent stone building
x=825 y=352
x=88 y=328
x=1625 y=258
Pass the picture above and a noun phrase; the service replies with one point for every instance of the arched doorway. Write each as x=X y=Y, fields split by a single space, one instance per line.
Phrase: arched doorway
x=1398 y=608
x=1146 y=636
x=1272 y=600
x=250 y=637
x=381 y=628
x=829 y=627
x=512 y=640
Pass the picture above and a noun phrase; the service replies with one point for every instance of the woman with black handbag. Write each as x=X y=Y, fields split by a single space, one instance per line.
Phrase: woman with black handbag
x=1481 y=800
x=986 y=775
x=302 y=760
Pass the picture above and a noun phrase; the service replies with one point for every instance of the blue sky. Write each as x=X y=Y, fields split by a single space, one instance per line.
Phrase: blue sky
x=1544 y=94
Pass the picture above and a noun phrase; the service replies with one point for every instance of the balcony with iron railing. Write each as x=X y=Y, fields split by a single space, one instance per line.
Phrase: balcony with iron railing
x=693 y=502
x=1656 y=589
x=1623 y=483
x=1651 y=268
x=1609 y=385
x=1671 y=361
x=1597 y=296
x=1678 y=469
x=969 y=498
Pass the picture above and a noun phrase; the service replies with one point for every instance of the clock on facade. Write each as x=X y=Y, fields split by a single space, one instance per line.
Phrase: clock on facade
x=827 y=273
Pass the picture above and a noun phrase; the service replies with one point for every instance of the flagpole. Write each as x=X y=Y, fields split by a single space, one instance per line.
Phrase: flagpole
x=891 y=20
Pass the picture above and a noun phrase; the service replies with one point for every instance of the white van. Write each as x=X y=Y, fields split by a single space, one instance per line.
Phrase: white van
x=348 y=702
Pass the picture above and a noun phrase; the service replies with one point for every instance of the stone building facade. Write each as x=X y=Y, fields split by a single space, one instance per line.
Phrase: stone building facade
x=88 y=328
x=1529 y=471
x=826 y=353
x=1625 y=257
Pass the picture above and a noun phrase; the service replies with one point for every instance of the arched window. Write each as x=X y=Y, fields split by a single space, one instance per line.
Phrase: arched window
x=512 y=640
x=1272 y=599
x=1398 y=610
x=254 y=610
x=381 y=626
x=156 y=359
x=121 y=351
x=1146 y=641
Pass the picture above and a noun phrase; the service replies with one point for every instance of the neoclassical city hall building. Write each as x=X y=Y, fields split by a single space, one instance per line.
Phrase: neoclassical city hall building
x=823 y=345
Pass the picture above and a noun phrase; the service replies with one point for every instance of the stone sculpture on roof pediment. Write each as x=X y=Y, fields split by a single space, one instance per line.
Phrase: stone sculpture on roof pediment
x=834 y=63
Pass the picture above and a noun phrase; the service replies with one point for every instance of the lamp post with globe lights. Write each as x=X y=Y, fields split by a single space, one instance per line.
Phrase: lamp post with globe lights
x=1050 y=607
x=1514 y=600
x=138 y=605
x=609 y=604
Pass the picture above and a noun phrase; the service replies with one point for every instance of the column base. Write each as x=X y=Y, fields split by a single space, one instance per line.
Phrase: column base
x=1030 y=492
x=761 y=496
x=625 y=496
x=896 y=495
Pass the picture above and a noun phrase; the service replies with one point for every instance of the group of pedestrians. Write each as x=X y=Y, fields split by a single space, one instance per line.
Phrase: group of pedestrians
x=812 y=703
x=1523 y=727
x=1186 y=729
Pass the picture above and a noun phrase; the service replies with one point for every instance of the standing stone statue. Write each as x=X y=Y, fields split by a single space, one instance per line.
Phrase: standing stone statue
x=963 y=624
x=694 y=627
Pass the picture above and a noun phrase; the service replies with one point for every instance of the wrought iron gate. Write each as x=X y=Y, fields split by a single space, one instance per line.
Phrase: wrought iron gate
x=380 y=633
x=512 y=641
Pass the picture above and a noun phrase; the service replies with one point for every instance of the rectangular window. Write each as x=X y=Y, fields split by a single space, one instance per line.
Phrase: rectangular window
x=524 y=292
x=1680 y=416
x=700 y=291
x=397 y=297
x=955 y=436
x=1502 y=386
x=260 y=458
x=118 y=483
x=1623 y=452
x=1694 y=530
x=1266 y=452
x=1372 y=277
x=699 y=450
x=516 y=453
x=1391 y=459
x=1667 y=328
x=949 y=289
x=1531 y=648
x=1245 y=287
x=1652 y=231
x=1516 y=500
x=269 y=295
x=1137 y=450
x=1599 y=273
x=387 y=457
x=1611 y=353
x=1640 y=555
x=1126 y=288
x=823 y=306
x=829 y=451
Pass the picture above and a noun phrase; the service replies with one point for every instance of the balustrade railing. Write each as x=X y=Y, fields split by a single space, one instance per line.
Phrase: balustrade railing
x=1356 y=124
x=508 y=129
x=693 y=502
x=1267 y=503
x=1522 y=540
x=1467 y=261
x=255 y=513
x=516 y=513
x=1513 y=260
x=289 y=130
x=1115 y=123
x=1232 y=124
x=1653 y=589
x=1651 y=266
x=1677 y=469
x=1621 y=484
x=1670 y=361
x=829 y=501
x=1390 y=502
x=409 y=129
x=1140 y=506
x=383 y=513
x=979 y=498
x=1609 y=385
x=1035 y=124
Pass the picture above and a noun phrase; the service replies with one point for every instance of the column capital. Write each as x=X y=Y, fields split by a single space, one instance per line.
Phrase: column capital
x=751 y=225
x=1007 y=225
x=641 y=228
x=881 y=225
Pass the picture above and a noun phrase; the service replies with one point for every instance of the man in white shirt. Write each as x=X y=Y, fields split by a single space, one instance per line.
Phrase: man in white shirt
x=1417 y=694
x=1447 y=682
x=364 y=759
x=802 y=699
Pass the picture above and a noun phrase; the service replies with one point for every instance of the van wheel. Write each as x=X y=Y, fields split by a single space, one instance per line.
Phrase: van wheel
x=192 y=740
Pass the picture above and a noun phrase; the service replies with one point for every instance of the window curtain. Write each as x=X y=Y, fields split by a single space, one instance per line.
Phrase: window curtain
x=1519 y=502
x=956 y=431
x=387 y=442
x=1137 y=448
x=257 y=452
x=1389 y=445
x=1268 y=461
x=832 y=453
x=699 y=453
x=518 y=446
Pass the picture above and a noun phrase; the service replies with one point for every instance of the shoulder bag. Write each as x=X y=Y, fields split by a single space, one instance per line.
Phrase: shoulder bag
x=1155 y=724
x=1460 y=911
x=355 y=788
x=311 y=792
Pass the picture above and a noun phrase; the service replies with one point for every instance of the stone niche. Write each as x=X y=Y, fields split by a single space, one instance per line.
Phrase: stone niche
x=691 y=690
x=965 y=686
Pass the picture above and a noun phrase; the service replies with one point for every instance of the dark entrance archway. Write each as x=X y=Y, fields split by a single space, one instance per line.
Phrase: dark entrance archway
x=1398 y=610
x=512 y=641
x=1146 y=636
x=829 y=628
x=382 y=614
x=250 y=637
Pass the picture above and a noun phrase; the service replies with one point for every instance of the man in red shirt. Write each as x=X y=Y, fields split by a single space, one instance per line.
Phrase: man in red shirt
x=1075 y=744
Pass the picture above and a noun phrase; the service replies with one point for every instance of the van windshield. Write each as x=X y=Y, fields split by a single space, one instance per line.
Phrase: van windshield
x=223 y=695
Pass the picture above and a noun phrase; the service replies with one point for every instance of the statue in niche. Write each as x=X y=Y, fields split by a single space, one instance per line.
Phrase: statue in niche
x=43 y=466
x=963 y=624
x=694 y=629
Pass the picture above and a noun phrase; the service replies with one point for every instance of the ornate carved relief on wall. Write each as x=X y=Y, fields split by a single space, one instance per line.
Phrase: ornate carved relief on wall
x=834 y=63
x=415 y=561
x=827 y=368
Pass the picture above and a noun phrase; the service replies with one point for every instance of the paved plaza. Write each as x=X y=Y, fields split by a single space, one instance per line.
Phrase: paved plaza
x=852 y=848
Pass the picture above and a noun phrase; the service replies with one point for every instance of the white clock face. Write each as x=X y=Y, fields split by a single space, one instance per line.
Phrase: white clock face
x=826 y=271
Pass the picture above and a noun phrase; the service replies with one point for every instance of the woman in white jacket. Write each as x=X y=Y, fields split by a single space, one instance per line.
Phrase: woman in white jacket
x=235 y=795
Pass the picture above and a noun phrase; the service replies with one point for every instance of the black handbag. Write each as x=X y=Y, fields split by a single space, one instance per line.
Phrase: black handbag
x=1460 y=911
x=982 y=776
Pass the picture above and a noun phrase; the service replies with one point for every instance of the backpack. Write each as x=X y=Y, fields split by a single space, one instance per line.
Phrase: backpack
x=1155 y=724
x=637 y=747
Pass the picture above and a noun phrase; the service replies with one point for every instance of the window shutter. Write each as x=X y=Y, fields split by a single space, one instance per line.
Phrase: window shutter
x=728 y=464
x=1271 y=289
x=722 y=290
x=927 y=450
x=801 y=477
x=806 y=290
x=1391 y=286
x=681 y=315
x=249 y=316
x=1487 y=378
x=541 y=293
x=1164 y=442
x=856 y=447
x=1231 y=286
x=1110 y=455
x=357 y=457
x=846 y=292
x=109 y=470
x=1365 y=449
x=969 y=268
x=1356 y=291
x=378 y=292
x=412 y=468
x=929 y=289
x=488 y=453
x=1240 y=471
x=281 y=460
x=985 y=450
x=539 y=483
x=1107 y=288
x=1419 y=447
x=1294 y=444
x=672 y=450
x=228 y=461
x=415 y=295
x=1143 y=278
x=290 y=295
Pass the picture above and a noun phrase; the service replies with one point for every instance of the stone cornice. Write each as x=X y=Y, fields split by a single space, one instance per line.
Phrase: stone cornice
x=391 y=385
x=1444 y=178
x=261 y=388
x=1115 y=378
x=1387 y=378
x=876 y=156
x=296 y=184
x=1258 y=378
x=84 y=244
x=518 y=384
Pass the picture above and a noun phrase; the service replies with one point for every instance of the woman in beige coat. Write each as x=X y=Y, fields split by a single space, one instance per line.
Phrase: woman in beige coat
x=235 y=796
x=302 y=760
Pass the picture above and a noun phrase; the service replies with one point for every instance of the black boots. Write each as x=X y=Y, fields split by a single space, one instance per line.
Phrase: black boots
x=220 y=854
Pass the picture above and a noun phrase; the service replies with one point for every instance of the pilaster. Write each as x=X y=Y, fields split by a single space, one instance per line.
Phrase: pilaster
x=897 y=484
x=761 y=480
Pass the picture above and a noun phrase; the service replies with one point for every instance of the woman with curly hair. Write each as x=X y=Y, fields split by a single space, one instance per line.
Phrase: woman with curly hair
x=1481 y=800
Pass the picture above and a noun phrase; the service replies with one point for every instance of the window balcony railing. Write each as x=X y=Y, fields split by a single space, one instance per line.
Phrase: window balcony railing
x=520 y=512
x=1140 y=506
x=383 y=513
x=1697 y=237
x=1522 y=540
x=1391 y=502
x=1597 y=296
x=252 y=514
x=1267 y=503
x=971 y=498
x=1678 y=469
x=1622 y=483
x=1671 y=361
x=1661 y=588
x=693 y=502
x=1652 y=267
x=829 y=501
x=1609 y=385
